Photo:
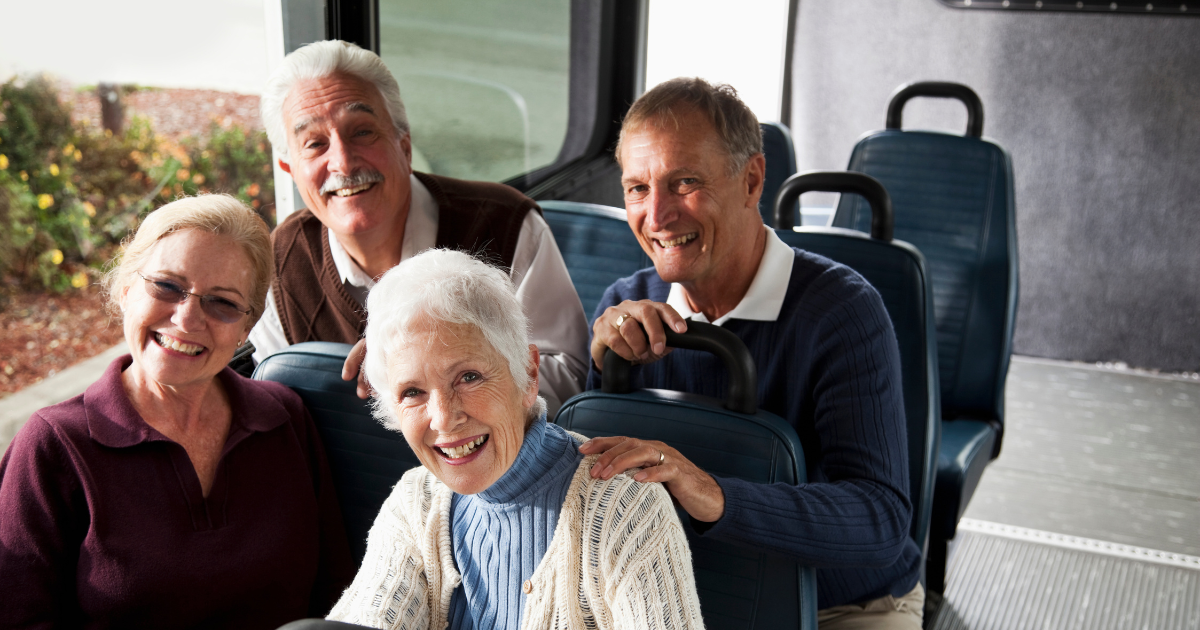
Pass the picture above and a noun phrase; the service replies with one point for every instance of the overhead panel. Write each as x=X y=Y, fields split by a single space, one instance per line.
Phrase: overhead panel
x=1191 y=8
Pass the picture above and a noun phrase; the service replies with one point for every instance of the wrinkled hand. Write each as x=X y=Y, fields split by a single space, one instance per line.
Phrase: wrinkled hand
x=352 y=368
x=629 y=341
x=695 y=490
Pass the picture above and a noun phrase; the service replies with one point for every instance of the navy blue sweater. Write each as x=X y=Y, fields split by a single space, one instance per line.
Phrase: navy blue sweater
x=830 y=366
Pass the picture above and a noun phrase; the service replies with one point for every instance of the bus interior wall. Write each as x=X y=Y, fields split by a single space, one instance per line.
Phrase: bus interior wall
x=1098 y=112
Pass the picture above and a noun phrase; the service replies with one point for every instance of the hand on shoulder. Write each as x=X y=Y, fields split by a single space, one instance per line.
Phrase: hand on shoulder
x=695 y=490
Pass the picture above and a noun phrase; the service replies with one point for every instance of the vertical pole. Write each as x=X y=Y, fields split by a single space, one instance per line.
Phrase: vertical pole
x=789 y=48
x=112 y=111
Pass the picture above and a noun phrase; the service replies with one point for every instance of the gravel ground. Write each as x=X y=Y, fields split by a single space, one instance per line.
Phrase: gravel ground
x=174 y=113
x=45 y=333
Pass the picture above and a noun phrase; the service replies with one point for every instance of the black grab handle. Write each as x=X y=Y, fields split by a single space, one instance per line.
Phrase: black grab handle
x=938 y=89
x=860 y=184
x=743 y=376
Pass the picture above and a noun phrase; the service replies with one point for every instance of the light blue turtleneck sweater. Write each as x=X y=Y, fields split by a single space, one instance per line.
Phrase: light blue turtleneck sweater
x=500 y=535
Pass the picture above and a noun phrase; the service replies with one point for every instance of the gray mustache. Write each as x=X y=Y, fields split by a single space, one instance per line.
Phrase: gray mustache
x=338 y=182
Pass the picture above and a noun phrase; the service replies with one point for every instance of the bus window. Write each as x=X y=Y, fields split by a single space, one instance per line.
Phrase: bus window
x=485 y=84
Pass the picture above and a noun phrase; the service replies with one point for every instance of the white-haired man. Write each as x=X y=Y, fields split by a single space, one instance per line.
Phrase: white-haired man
x=334 y=115
x=826 y=357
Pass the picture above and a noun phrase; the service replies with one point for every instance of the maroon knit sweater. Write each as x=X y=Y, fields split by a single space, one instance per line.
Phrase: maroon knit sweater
x=103 y=524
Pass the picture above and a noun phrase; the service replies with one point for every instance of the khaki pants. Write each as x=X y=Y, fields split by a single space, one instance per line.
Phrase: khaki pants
x=899 y=613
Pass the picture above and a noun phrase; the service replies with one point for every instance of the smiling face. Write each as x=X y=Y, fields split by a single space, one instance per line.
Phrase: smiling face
x=457 y=403
x=691 y=217
x=177 y=345
x=345 y=155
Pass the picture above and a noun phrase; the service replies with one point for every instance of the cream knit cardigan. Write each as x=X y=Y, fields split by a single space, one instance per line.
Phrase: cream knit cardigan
x=618 y=559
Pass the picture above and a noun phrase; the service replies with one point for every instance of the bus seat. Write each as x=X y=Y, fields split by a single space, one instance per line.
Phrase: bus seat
x=739 y=587
x=953 y=199
x=897 y=270
x=596 y=244
x=365 y=458
x=781 y=164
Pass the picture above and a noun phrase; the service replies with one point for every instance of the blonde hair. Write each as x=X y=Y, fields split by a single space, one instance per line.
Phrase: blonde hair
x=219 y=214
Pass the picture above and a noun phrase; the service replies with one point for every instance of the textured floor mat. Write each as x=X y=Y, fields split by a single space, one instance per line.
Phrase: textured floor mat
x=1003 y=577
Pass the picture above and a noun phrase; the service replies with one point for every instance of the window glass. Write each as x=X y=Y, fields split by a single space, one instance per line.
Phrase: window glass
x=485 y=83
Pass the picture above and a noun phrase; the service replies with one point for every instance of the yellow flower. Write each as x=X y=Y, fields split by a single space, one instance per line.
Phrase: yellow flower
x=56 y=256
x=78 y=155
x=79 y=280
x=24 y=176
x=85 y=223
x=182 y=174
x=45 y=201
x=89 y=208
x=68 y=150
x=108 y=133
x=54 y=170
x=3 y=162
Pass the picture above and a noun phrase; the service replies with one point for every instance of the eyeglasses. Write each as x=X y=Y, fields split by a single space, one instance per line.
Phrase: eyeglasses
x=214 y=306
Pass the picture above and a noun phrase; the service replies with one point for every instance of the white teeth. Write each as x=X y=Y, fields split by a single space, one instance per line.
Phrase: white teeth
x=687 y=238
x=465 y=449
x=178 y=346
x=346 y=192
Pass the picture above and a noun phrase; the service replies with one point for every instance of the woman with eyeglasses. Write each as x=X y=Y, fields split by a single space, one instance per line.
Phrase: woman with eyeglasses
x=174 y=493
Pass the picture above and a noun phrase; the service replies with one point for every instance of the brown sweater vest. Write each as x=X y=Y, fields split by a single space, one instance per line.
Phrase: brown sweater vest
x=477 y=217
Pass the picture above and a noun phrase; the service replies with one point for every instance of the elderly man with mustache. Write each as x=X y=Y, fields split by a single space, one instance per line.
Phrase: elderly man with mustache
x=333 y=112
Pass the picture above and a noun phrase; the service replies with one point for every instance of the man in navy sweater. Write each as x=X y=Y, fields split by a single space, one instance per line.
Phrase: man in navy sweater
x=827 y=359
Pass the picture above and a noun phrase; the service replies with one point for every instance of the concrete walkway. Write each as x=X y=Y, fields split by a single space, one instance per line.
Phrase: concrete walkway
x=16 y=408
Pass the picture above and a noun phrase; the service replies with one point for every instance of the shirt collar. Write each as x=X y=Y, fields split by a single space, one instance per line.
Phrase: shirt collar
x=114 y=422
x=420 y=234
x=764 y=298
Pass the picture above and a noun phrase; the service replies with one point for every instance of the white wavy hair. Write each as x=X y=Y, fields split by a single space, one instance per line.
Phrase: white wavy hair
x=318 y=60
x=442 y=285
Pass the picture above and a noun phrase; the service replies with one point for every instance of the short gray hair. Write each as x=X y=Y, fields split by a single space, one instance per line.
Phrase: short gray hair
x=450 y=287
x=319 y=60
x=736 y=125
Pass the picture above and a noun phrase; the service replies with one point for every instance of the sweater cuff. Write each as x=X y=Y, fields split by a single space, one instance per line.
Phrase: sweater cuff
x=733 y=489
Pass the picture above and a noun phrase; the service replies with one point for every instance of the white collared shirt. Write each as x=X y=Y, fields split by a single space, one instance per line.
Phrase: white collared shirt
x=559 y=327
x=764 y=298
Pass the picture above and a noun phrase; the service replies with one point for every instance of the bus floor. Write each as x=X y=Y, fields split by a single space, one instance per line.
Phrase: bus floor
x=1090 y=516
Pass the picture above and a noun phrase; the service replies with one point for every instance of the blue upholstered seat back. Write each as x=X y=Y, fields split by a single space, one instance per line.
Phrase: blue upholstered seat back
x=897 y=270
x=366 y=459
x=739 y=587
x=781 y=164
x=596 y=244
x=952 y=198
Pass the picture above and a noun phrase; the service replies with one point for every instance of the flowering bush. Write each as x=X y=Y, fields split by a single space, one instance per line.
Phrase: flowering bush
x=69 y=194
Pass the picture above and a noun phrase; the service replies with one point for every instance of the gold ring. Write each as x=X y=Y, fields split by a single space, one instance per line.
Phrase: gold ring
x=662 y=457
x=620 y=320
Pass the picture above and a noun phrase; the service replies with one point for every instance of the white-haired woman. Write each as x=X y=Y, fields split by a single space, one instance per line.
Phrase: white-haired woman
x=502 y=526
x=174 y=493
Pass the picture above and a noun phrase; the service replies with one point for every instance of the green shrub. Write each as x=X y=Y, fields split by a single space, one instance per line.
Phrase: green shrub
x=33 y=125
x=237 y=162
x=68 y=195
